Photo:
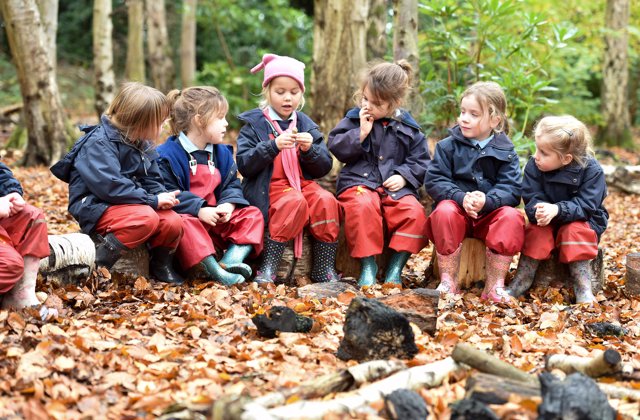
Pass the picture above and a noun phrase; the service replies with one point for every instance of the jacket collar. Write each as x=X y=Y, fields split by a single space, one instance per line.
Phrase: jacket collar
x=500 y=140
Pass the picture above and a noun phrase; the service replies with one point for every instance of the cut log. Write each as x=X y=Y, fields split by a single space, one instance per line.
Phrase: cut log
x=427 y=376
x=326 y=290
x=472 y=263
x=484 y=362
x=552 y=271
x=623 y=178
x=419 y=306
x=632 y=277
x=493 y=389
x=604 y=363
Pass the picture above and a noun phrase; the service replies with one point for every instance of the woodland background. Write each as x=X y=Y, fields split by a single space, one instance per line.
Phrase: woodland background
x=134 y=349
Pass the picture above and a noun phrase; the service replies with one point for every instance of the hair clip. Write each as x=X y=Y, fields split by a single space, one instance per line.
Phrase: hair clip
x=569 y=132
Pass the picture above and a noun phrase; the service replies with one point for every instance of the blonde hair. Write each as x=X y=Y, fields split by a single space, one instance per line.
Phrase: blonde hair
x=492 y=101
x=387 y=82
x=205 y=101
x=566 y=134
x=136 y=109
x=265 y=102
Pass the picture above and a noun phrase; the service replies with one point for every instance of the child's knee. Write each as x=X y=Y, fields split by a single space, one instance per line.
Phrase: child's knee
x=11 y=267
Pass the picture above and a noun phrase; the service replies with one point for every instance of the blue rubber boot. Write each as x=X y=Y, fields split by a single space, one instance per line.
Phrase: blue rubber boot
x=368 y=271
x=396 y=264
x=232 y=261
x=217 y=273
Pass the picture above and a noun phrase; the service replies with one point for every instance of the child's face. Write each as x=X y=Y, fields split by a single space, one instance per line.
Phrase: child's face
x=216 y=128
x=546 y=158
x=284 y=96
x=474 y=123
x=374 y=107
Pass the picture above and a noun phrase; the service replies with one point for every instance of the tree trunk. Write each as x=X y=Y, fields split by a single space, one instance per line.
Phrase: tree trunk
x=188 y=43
x=377 y=30
x=160 y=60
x=49 y=17
x=43 y=111
x=104 y=78
x=615 y=76
x=339 y=54
x=405 y=46
x=135 y=41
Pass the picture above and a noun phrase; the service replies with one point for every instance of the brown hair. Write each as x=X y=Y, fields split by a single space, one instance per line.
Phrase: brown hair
x=492 y=101
x=566 y=135
x=205 y=101
x=387 y=82
x=136 y=109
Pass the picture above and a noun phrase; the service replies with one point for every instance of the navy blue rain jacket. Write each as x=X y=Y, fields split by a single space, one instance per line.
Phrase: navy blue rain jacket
x=174 y=166
x=8 y=183
x=256 y=152
x=459 y=167
x=103 y=169
x=399 y=148
x=578 y=191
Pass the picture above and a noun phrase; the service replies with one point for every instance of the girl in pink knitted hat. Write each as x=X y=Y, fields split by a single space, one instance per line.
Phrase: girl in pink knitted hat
x=280 y=152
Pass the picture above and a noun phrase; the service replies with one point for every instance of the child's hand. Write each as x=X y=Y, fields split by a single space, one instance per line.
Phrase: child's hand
x=545 y=212
x=394 y=183
x=366 y=123
x=224 y=211
x=304 y=140
x=209 y=215
x=5 y=207
x=473 y=203
x=167 y=200
x=285 y=140
x=17 y=202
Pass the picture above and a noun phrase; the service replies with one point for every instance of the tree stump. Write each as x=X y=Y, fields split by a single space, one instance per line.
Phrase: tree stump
x=632 y=277
x=472 y=263
x=553 y=271
x=419 y=306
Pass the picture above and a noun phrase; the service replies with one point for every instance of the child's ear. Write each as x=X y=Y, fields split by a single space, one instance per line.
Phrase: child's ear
x=197 y=119
x=566 y=159
x=495 y=121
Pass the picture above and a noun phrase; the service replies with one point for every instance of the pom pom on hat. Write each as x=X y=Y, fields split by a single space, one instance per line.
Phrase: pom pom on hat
x=276 y=66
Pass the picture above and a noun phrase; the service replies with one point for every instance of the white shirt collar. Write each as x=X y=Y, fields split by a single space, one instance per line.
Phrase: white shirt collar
x=189 y=146
x=274 y=115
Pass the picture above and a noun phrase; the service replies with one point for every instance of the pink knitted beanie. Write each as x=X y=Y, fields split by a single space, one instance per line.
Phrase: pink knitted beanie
x=276 y=65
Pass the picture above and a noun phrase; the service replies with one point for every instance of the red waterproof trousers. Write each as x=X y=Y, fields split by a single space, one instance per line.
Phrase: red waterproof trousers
x=24 y=233
x=502 y=230
x=366 y=210
x=575 y=241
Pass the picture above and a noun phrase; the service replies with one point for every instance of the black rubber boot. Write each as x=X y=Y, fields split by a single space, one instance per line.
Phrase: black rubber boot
x=161 y=266
x=108 y=250
x=271 y=256
x=324 y=262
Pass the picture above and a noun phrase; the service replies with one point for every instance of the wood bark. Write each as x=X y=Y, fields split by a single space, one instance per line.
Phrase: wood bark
x=615 y=75
x=339 y=54
x=419 y=306
x=624 y=178
x=159 y=52
x=492 y=389
x=377 y=30
x=104 y=80
x=405 y=46
x=43 y=111
x=484 y=362
x=188 y=43
x=49 y=16
x=604 y=363
x=135 y=41
x=632 y=276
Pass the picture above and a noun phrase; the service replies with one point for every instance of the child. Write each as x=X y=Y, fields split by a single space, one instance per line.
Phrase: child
x=474 y=179
x=116 y=191
x=23 y=243
x=213 y=209
x=280 y=152
x=386 y=158
x=563 y=191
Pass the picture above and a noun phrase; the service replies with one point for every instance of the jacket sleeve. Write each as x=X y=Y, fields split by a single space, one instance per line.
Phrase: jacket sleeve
x=8 y=183
x=532 y=190
x=253 y=154
x=591 y=194
x=153 y=182
x=231 y=189
x=316 y=162
x=439 y=179
x=344 y=142
x=190 y=203
x=508 y=187
x=98 y=166
x=415 y=165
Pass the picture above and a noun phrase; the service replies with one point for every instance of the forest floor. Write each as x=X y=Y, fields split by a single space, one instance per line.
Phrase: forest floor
x=131 y=350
